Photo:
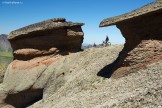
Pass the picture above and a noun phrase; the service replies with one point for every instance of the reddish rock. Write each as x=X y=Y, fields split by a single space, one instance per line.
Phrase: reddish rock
x=25 y=54
x=35 y=48
x=142 y=30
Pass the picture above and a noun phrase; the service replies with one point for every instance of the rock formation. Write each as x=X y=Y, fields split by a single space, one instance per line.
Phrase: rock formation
x=35 y=48
x=44 y=38
x=26 y=82
x=5 y=55
x=142 y=30
x=58 y=81
x=72 y=82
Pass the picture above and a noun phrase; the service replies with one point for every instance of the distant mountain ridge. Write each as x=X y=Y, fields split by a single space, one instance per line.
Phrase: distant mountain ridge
x=5 y=54
x=86 y=45
x=3 y=34
x=4 y=44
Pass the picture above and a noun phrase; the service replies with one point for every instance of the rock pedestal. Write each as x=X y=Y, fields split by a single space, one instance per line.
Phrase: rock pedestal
x=143 y=37
x=35 y=48
x=142 y=30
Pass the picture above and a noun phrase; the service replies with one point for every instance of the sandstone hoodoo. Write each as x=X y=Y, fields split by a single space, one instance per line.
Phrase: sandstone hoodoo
x=44 y=38
x=142 y=30
x=35 y=48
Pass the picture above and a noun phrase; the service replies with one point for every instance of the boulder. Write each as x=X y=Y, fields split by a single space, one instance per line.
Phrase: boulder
x=142 y=30
x=41 y=38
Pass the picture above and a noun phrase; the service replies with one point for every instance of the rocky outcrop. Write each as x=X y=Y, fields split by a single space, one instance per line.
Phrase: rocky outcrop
x=142 y=30
x=26 y=82
x=5 y=55
x=35 y=48
x=61 y=81
x=44 y=38
x=72 y=81
x=76 y=85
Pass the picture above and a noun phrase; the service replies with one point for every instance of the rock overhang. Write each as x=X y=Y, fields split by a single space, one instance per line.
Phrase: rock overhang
x=51 y=24
x=41 y=37
x=35 y=48
x=148 y=9
x=142 y=30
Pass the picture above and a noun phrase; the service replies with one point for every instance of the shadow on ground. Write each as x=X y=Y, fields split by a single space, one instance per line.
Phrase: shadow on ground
x=108 y=70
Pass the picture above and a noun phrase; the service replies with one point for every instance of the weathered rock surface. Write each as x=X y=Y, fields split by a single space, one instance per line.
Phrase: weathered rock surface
x=6 y=106
x=5 y=55
x=72 y=81
x=35 y=48
x=38 y=39
x=142 y=30
x=60 y=81
x=25 y=81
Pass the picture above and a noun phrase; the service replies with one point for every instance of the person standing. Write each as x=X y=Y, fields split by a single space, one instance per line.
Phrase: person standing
x=94 y=45
x=106 y=40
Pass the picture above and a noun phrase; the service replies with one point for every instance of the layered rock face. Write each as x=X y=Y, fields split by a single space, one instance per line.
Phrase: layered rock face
x=45 y=37
x=142 y=30
x=35 y=48
x=143 y=39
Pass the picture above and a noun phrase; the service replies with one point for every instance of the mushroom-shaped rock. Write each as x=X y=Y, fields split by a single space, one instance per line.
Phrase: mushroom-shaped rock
x=142 y=30
x=38 y=39
x=36 y=47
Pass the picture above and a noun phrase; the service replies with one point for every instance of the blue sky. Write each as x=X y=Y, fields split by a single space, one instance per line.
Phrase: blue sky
x=90 y=12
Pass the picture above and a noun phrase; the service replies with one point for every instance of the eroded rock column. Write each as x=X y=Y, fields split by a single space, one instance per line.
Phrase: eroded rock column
x=143 y=37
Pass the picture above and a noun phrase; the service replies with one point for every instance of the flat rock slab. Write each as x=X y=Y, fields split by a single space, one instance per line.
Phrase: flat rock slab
x=55 y=23
x=41 y=38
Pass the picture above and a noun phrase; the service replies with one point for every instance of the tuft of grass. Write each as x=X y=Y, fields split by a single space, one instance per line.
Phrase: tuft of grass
x=3 y=67
x=6 y=54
